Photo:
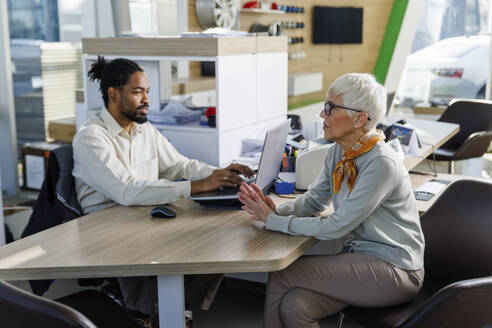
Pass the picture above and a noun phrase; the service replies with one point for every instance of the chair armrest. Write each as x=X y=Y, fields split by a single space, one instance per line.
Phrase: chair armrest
x=464 y=303
x=474 y=146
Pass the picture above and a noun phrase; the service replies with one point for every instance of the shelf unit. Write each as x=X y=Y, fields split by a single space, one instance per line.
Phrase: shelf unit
x=250 y=84
x=262 y=11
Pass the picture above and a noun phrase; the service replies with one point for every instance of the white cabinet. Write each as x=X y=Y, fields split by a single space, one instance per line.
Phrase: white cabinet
x=251 y=87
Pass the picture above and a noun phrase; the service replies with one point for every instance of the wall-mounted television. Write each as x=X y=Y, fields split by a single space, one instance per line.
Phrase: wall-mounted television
x=337 y=25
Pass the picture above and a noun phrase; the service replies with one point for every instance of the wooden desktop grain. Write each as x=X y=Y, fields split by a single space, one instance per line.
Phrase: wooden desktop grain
x=265 y=44
x=127 y=241
x=171 y=46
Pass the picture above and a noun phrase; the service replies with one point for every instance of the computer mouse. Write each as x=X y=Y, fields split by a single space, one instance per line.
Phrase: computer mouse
x=163 y=212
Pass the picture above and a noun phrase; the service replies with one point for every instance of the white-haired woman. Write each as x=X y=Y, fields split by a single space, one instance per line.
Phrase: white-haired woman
x=375 y=231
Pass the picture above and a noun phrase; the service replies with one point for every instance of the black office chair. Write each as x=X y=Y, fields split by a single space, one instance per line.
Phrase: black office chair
x=86 y=309
x=457 y=290
x=475 y=135
x=56 y=204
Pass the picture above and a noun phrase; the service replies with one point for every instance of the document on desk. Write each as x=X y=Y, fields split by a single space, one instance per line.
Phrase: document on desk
x=432 y=187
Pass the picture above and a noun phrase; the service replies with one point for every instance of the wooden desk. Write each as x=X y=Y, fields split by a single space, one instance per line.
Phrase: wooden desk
x=418 y=180
x=126 y=241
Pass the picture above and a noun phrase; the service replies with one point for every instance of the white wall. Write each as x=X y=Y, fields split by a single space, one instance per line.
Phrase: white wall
x=403 y=44
x=8 y=135
x=70 y=20
x=166 y=16
x=2 y=228
x=171 y=18
x=489 y=76
x=141 y=16
x=97 y=18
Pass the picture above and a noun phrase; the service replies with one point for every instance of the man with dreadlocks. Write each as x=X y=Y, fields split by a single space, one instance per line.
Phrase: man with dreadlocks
x=119 y=158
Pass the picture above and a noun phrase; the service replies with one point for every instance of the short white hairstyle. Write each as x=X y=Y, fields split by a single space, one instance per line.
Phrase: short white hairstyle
x=361 y=91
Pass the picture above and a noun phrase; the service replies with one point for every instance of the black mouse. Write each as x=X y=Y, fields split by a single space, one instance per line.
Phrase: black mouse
x=163 y=212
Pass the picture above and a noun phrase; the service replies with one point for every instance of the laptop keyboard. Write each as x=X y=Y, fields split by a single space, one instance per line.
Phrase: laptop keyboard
x=229 y=190
x=235 y=190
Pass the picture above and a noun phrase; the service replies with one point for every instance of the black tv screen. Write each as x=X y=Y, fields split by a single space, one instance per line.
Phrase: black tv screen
x=337 y=25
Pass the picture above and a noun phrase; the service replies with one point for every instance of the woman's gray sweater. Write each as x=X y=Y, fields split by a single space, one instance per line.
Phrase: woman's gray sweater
x=378 y=217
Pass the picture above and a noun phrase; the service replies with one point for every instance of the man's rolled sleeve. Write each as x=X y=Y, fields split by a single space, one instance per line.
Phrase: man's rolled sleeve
x=183 y=189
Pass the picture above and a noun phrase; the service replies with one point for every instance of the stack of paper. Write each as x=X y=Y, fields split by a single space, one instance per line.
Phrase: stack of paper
x=174 y=113
x=46 y=75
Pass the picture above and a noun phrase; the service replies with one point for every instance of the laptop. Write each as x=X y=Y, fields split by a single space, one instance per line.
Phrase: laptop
x=270 y=161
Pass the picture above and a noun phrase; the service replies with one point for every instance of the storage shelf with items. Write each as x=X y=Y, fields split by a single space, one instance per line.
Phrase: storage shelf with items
x=262 y=11
x=288 y=25
x=250 y=86
x=332 y=60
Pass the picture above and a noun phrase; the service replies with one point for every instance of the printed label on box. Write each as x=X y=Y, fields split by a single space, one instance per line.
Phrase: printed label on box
x=34 y=171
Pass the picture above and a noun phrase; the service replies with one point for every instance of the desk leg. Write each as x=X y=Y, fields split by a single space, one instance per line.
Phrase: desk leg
x=170 y=289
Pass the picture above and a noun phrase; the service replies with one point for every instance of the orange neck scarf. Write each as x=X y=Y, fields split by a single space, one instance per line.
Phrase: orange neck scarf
x=363 y=145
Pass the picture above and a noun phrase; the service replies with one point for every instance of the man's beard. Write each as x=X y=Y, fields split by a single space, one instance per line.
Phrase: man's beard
x=133 y=117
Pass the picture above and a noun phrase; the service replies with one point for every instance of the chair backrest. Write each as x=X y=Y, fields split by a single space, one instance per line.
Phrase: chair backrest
x=471 y=115
x=20 y=309
x=458 y=233
x=57 y=201
x=475 y=146
x=462 y=304
x=64 y=156
x=65 y=187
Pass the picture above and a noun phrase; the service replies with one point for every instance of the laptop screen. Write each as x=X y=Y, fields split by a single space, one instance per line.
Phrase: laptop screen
x=271 y=159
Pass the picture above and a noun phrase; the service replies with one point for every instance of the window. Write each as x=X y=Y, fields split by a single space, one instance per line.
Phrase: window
x=450 y=54
x=33 y=19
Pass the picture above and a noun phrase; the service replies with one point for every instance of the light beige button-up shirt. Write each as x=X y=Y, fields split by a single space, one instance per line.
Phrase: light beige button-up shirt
x=140 y=168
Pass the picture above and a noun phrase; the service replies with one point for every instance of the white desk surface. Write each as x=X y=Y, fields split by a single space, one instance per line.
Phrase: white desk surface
x=432 y=135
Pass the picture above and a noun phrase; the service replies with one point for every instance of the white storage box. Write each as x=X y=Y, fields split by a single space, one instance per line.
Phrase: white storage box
x=302 y=83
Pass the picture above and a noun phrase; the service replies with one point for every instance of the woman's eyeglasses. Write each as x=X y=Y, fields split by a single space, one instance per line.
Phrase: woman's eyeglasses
x=328 y=106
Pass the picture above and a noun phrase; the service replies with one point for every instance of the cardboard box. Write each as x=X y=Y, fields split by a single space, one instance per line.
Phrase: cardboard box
x=62 y=129
x=35 y=162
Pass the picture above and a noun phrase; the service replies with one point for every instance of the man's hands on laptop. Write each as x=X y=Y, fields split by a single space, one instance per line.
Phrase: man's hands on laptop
x=240 y=169
x=227 y=177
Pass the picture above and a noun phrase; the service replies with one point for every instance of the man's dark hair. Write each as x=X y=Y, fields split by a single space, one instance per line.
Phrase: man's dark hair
x=115 y=73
